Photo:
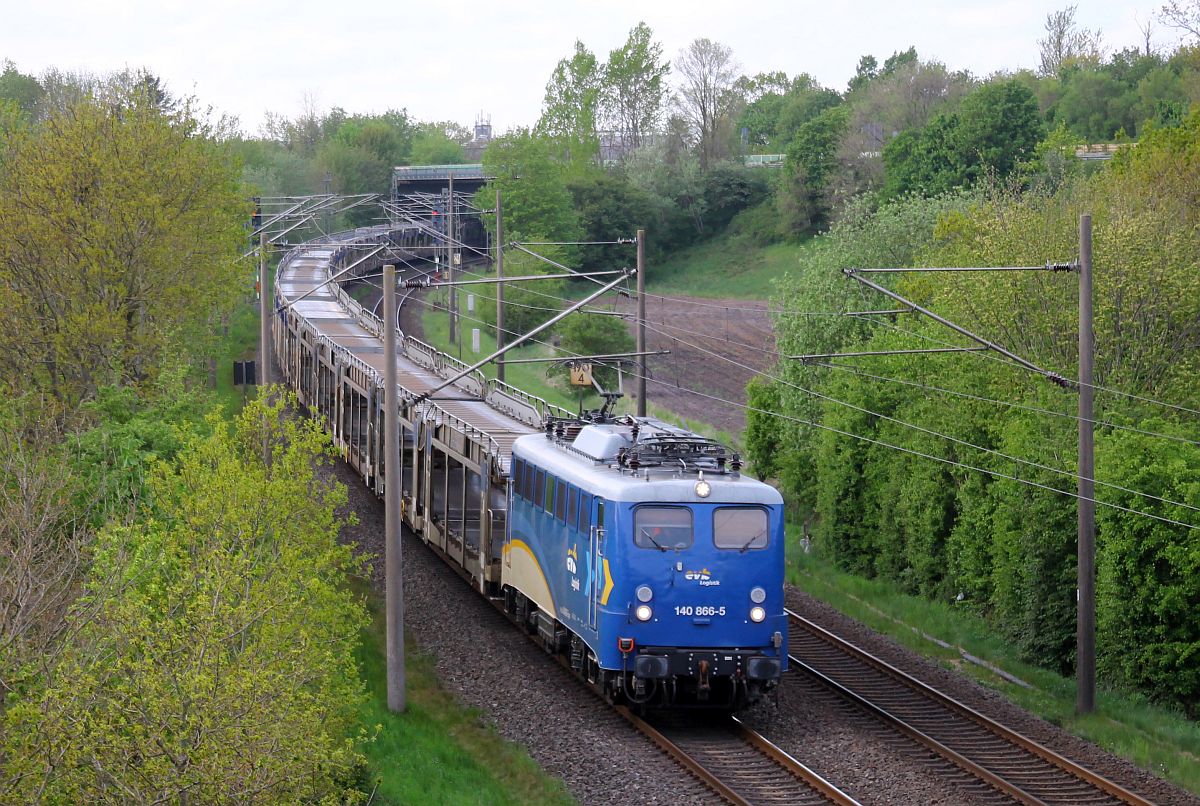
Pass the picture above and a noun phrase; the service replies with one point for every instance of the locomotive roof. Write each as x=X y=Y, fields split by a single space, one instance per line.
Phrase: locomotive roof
x=588 y=457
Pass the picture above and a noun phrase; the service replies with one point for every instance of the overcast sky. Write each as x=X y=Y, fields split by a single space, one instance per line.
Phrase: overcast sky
x=446 y=60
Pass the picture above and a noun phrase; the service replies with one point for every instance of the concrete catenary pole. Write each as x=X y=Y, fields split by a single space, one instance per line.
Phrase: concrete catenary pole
x=1085 y=672
x=499 y=286
x=394 y=591
x=641 y=317
x=265 y=304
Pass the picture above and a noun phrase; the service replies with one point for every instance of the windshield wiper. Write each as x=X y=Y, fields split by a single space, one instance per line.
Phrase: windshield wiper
x=650 y=537
x=742 y=550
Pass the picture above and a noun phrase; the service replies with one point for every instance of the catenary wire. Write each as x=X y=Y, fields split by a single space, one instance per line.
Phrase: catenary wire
x=1010 y=404
x=941 y=459
x=899 y=422
x=883 y=443
x=990 y=357
x=929 y=431
x=677 y=328
x=766 y=351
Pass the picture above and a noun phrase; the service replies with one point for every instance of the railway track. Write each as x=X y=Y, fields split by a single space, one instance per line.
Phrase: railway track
x=743 y=767
x=1016 y=767
x=736 y=762
x=733 y=760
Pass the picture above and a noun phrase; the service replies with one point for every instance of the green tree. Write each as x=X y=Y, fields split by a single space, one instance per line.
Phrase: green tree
x=730 y=188
x=1149 y=571
x=777 y=108
x=804 y=195
x=894 y=103
x=217 y=664
x=533 y=182
x=760 y=120
x=571 y=107
x=21 y=89
x=805 y=100
x=122 y=229
x=610 y=208
x=864 y=73
x=431 y=145
x=1095 y=106
x=996 y=128
x=593 y=334
x=634 y=88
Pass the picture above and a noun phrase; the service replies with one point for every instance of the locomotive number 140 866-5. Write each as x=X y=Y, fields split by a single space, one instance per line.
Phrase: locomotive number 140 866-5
x=699 y=610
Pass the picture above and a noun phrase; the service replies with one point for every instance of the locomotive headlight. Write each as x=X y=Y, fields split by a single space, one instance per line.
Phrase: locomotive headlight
x=757 y=614
x=644 y=612
x=703 y=488
x=644 y=594
x=758 y=595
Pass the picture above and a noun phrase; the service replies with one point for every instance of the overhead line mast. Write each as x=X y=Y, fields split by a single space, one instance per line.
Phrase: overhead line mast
x=1085 y=672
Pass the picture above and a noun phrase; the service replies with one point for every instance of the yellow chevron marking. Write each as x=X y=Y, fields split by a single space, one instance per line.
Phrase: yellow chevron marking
x=608 y=584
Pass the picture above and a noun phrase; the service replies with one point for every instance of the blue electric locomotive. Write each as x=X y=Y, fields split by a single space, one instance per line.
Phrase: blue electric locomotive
x=637 y=550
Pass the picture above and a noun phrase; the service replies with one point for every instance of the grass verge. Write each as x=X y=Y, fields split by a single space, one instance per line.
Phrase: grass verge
x=1154 y=738
x=438 y=751
x=725 y=267
x=240 y=343
x=532 y=378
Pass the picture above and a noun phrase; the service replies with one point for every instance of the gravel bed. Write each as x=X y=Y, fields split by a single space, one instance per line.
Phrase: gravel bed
x=574 y=736
x=817 y=736
x=527 y=696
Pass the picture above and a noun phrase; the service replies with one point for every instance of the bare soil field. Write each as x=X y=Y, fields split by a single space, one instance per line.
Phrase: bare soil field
x=697 y=331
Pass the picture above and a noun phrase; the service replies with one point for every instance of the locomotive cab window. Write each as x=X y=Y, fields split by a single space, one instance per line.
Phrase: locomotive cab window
x=517 y=475
x=740 y=528
x=662 y=528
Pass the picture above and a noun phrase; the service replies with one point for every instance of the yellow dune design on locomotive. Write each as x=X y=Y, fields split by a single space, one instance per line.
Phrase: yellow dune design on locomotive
x=608 y=584
x=522 y=571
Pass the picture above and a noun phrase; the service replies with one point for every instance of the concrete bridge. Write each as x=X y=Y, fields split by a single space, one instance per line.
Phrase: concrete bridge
x=409 y=179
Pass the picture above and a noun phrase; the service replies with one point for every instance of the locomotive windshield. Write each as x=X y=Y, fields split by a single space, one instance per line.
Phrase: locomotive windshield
x=740 y=528
x=662 y=528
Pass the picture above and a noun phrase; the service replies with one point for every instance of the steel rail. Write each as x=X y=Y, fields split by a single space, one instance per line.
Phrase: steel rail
x=822 y=789
x=736 y=761
x=964 y=712
x=785 y=759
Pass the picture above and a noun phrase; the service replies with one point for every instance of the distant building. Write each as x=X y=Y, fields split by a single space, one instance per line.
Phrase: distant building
x=473 y=151
x=614 y=146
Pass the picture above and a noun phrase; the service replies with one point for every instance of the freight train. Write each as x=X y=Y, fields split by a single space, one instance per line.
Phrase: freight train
x=635 y=550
